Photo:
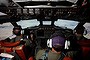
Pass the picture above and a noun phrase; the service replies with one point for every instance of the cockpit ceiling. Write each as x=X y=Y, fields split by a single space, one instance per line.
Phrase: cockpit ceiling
x=74 y=1
x=8 y=2
x=16 y=10
x=39 y=0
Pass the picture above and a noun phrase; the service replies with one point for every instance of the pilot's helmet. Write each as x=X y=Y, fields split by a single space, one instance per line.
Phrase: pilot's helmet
x=80 y=29
x=18 y=27
x=31 y=35
x=17 y=30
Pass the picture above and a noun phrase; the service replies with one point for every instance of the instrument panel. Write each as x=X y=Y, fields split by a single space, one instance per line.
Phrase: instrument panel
x=46 y=31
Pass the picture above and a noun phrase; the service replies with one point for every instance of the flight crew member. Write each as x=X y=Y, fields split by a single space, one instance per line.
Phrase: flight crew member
x=16 y=34
x=57 y=42
x=79 y=31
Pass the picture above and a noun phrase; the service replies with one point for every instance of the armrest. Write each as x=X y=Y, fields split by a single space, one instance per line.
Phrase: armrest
x=67 y=58
x=84 y=43
x=9 y=44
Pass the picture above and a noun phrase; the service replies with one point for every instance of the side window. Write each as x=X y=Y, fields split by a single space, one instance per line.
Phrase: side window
x=87 y=26
x=5 y=30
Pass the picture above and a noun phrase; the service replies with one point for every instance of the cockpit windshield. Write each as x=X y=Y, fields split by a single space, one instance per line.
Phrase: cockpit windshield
x=46 y=22
x=66 y=23
x=6 y=28
x=59 y=22
x=28 y=23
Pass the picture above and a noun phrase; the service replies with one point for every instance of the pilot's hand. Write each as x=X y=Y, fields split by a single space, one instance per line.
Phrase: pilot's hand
x=11 y=37
x=22 y=42
x=7 y=39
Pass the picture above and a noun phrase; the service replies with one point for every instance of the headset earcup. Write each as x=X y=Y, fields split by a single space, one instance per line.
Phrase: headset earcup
x=85 y=32
x=67 y=44
x=49 y=43
x=22 y=31
x=74 y=31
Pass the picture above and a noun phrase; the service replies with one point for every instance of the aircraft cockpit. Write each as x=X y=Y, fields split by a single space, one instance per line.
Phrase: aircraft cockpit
x=42 y=18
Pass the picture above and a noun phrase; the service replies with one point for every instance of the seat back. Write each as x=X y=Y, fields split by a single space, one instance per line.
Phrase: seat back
x=7 y=47
x=85 y=45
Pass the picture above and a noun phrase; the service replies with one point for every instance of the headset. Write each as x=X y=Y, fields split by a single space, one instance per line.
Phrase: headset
x=58 y=33
x=66 y=46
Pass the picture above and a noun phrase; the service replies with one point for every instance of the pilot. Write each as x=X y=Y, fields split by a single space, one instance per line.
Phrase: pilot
x=32 y=39
x=30 y=43
x=75 y=50
x=17 y=36
x=56 y=44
